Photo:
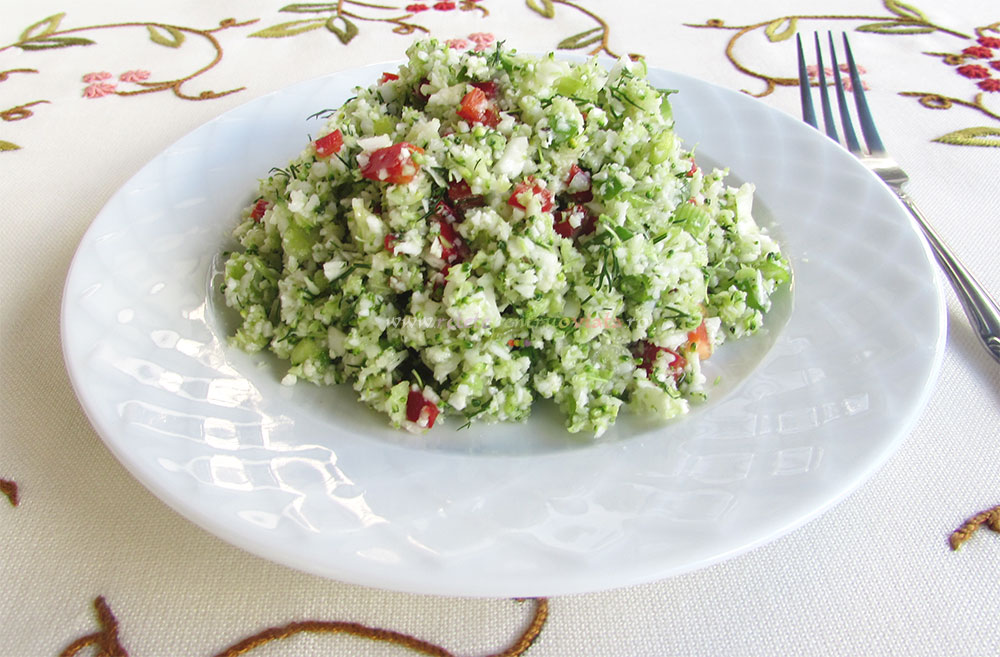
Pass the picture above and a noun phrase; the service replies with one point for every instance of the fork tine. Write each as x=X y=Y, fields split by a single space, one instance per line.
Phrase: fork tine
x=805 y=91
x=845 y=116
x=824 y=95
x=872 y=140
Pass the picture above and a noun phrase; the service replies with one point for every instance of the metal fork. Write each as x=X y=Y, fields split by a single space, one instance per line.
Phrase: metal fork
x=981 y=310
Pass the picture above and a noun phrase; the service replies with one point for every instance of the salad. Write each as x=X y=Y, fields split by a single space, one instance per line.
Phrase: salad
x=478 y=230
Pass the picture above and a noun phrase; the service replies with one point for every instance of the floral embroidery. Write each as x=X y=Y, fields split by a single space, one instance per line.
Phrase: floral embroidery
x=98 y=90
x=813 y=71
x=989 y=42
x=483 y=40
x=457 y=44
x=134 y=76
x=974 y=71
x=342 y=18
x=993 y=84
x=979 y=52
x=597 y=37
x=108 y=644
x=7 y=487
x=97 y=77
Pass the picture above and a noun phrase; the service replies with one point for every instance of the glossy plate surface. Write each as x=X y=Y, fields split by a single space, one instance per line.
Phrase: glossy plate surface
x=308 y=477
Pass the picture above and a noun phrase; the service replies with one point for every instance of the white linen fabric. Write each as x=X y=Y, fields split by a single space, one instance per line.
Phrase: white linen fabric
x=873 y=576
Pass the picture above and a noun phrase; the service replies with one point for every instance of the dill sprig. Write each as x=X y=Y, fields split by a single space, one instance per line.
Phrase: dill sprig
x=322 y=114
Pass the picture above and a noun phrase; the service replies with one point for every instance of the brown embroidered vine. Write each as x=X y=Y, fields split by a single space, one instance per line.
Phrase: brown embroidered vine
x=106 y=639
x=597 y=36
x=20 y=112
x=108 y=645
x=902 y=19
x=989 y=517
x=5 y=75
x=9 y=488
x=46 y=35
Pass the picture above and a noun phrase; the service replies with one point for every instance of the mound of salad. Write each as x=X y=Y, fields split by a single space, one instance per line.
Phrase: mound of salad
x=480 y=229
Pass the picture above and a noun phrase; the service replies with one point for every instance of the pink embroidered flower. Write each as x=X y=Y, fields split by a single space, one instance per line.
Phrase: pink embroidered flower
x=813 y=72
x=483 y=40
x=416 y=8
x=98 y=89
x=980 y=52
x=97 y=76
x=974 y=71
x=444 y=6
x=995 y=64
x=989 y=42
x=990 y=84
x=134 y=76
x=457 y=44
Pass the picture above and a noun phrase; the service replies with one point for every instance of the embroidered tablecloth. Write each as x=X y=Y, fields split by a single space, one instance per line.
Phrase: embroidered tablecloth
x=89 y=92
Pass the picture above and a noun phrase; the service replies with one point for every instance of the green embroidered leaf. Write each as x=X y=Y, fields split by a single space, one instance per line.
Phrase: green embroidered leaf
x=904 y=10
x=546 y=8
x=43 y=27
x=343 y=28
x=7 y=146
x=894 y=27
x=972 y=137
x=790 y=27
x=581 y=40
x=290 y=28
x=309 y=8
x=55 y=42
x=172 y=39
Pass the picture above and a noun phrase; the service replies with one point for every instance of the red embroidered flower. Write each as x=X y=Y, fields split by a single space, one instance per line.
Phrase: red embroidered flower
x=416 y=8
x=995 y=64
x=134 y=76
x=989 y=42
x=974 y=71
x=980 y=52
x=457 y=44
x=96 y=76
x=444 y=6
x=98 y=89
x=813 y=71
x=990 y=84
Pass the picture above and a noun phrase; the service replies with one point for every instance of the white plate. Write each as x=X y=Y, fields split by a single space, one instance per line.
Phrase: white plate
x=308 y=477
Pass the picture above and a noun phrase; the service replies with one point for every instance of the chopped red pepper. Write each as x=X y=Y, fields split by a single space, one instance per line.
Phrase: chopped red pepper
x=418 y=93
x=453 y=247
x=698 y=339
x=330 y=144
x=461 y=196
x=476 y=108
x=536 y=189
x=386 y=77
x=490 y=88
x=390 y=243
x=693 y=170
x=563 y=226
x=259 y=208
x=392 y=164
x=649 y=351
x=420 y=409
x=578 y=185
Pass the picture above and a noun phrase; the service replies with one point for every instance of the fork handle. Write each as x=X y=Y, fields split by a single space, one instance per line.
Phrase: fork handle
x=981 y=310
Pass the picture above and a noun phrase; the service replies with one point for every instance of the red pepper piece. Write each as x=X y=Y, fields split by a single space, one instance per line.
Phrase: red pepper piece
x=330 y=144
x=536 y=189
x=578 y=185
x=649 y=351
x=390 y=243
x=259 y=208
x=453 y=247
x=386 y=77
x=392 y=164
x=476 y=108
x=461 y=196
x=418 y=407
x=489 y=87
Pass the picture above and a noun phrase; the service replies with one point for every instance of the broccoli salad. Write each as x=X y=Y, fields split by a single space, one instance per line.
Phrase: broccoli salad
x=480 y=229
